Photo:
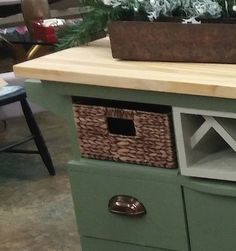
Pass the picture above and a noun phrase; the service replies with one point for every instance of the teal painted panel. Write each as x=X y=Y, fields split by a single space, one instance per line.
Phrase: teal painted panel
x=51 y=100
x=164 y=224
x=126 y=170
x=92 y=244
x=180 y=100
x=211 y=221
x=59 y=104
x=215 y=187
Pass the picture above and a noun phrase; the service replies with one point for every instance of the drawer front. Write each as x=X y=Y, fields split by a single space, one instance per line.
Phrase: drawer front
x=162 y=226
x=92 y=244
x=211 y=221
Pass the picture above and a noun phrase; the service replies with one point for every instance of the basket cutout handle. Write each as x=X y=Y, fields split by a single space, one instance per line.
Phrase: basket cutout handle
x=124 y=127
x=120 y=122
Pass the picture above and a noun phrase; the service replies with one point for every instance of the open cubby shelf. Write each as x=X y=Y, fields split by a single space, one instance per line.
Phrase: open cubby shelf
x=206 y=143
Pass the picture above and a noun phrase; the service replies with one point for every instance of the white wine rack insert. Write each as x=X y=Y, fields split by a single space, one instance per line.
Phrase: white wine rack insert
x=206 y=143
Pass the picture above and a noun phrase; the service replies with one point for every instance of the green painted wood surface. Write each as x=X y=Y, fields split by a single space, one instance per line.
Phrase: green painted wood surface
x=214 y=187
x=59 y=104
x=52 y=89
x=164 y=224
x=93 y=244
x=57 y=98
x=211 y=221
x=127 y=170
x=210 y=205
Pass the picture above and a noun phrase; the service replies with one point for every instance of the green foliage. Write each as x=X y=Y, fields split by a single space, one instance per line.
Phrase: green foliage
x=94 y=22
x=82 y=32
x=97 y=20
x=91 y=2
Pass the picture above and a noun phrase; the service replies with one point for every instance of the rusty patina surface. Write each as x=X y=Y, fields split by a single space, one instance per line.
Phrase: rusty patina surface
x=174 y=42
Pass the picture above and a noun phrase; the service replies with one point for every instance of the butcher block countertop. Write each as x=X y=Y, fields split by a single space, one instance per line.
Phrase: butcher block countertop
x=94 y=65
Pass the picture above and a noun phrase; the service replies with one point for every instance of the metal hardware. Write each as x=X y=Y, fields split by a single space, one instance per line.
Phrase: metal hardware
x=126 y=205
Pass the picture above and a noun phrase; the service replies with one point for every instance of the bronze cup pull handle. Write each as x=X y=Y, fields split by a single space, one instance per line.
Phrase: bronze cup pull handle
x=126 y=205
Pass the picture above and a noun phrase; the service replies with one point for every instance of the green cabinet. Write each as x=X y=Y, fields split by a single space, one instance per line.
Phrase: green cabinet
x=211 y=208
x=94 y=183
x=94 y=244
x=180 y=210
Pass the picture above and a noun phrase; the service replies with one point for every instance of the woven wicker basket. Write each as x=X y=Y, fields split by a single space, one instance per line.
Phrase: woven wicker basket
x=125 y=135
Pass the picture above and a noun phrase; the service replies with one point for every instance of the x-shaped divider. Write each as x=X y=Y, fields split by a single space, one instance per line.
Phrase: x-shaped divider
x=211 y=122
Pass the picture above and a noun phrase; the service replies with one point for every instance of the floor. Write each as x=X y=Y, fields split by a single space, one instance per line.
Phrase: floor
x=36 y=210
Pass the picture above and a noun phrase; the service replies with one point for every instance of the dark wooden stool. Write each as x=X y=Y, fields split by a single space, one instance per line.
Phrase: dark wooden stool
x=11 y=94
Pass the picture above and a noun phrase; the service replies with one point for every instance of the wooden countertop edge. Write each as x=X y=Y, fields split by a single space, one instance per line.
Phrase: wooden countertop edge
x=115 y=82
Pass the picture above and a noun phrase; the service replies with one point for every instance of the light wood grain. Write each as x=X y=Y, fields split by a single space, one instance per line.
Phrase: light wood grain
x=2 y=82
x=94 y=65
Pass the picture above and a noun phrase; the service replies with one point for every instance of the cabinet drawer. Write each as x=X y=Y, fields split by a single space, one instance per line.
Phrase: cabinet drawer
x=211 y=211
x=92 y=244
x=162 y=226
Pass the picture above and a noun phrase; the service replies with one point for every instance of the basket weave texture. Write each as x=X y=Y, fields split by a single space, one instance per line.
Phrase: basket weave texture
x=151 y=145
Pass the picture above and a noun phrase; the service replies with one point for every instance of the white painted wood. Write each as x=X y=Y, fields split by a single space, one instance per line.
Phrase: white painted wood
x=229 y=126
x=205 y=112
x=221 y=131
x=182 y=159
x=206 y=143
x=200 y=133
x=210 y=122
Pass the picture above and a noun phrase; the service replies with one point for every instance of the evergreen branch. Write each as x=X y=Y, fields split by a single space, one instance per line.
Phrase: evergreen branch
x=83 y=32
x=91 y=2
x=96 y=21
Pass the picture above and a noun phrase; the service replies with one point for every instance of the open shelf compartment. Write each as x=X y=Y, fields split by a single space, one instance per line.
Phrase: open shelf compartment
x=206 y=143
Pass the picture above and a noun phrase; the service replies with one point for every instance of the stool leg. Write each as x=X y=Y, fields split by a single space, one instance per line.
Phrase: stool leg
x=38 y=138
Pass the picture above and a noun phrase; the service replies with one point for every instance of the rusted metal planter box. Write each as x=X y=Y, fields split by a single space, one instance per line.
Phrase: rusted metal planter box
x=174 y=42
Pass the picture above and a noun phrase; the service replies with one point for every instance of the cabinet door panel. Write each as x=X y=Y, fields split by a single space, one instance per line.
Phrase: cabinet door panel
x=92 y=244
x=211 y=220
x=162 y=226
